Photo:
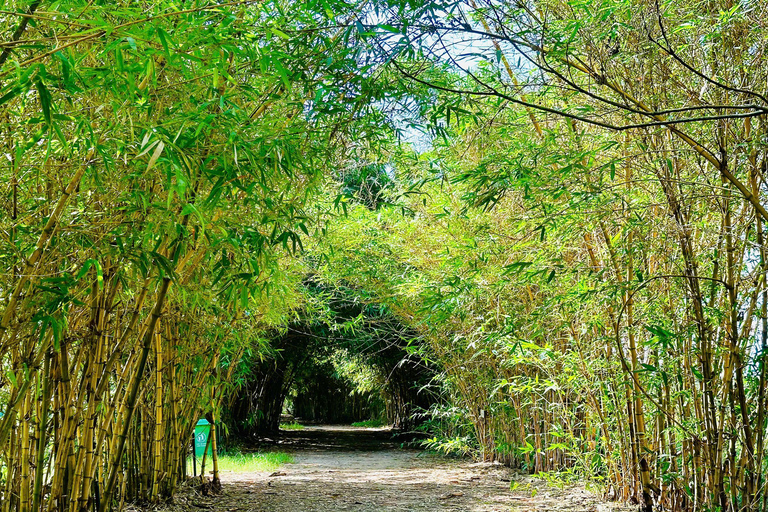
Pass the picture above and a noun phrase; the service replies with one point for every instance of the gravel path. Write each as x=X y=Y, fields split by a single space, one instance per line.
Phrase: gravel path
x=362 y=470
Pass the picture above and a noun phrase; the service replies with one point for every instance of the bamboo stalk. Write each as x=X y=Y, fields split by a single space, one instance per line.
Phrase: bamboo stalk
x=159 y=425
x=42 y=437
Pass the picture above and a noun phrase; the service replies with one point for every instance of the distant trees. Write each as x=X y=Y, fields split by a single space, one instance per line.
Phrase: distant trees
x=344 y=359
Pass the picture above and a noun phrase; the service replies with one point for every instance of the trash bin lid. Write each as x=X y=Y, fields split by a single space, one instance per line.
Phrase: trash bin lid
x=203 y=421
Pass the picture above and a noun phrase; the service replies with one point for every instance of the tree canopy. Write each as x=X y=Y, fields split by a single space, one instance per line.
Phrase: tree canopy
x=557 y=207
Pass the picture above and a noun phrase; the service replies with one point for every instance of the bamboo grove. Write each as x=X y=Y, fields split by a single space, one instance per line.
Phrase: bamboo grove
x=156 y=174
x=589 y=269
x=576 y=244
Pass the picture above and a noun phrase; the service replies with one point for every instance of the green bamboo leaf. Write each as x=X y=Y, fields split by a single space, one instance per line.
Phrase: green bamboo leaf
x=281 y=71
x=12 y=93
x=58 y=331
x=279 y=33
x=45 y=100
x=163 y=36
x=165 y=265
x=87 y=265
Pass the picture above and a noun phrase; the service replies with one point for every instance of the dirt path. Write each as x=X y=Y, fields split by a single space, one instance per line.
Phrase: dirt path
x=362 y=470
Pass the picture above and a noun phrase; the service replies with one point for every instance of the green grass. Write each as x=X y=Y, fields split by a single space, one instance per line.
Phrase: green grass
x=369 y=423
x=291 y=426
x=239 y=462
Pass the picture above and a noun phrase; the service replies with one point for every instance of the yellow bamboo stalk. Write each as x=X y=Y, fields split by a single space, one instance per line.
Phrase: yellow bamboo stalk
x=10 y=458
x=24 y=496
x=114 y=466
x=159 y=426
x=42 y=427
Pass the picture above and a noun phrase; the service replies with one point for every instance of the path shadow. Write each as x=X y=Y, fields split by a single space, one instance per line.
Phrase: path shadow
x=340 y=438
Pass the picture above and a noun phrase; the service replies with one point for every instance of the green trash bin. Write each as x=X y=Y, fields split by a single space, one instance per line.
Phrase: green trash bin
x=202 y=431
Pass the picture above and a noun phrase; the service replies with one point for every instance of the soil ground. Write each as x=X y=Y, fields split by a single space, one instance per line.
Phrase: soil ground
x=340 y=468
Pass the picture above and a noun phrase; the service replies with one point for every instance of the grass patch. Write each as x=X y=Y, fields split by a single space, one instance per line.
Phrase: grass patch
x=369 y=423
x=291 y=426
x=244 y=462
x=239 y=462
